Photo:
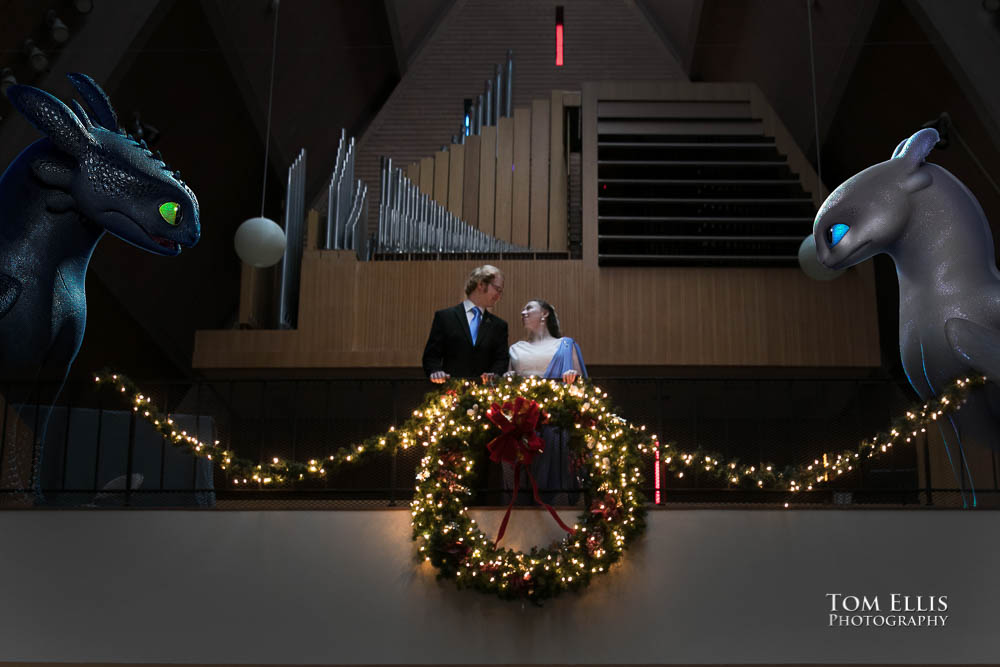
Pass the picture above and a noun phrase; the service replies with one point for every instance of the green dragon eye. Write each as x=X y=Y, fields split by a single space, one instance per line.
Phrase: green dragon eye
x=169 y=212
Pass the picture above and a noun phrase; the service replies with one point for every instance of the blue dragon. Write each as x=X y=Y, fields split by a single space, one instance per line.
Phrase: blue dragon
x=85 y=177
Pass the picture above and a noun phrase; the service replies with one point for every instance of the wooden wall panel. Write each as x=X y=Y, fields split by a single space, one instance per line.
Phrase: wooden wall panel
x=539 y=207
x=520 y=230
x=505 y=163
x=456 y=179
x=310 y=289
x=360 y=317
x=470 y=190
x=413 y=173
x=426 y=183
x=441 y=172
x=252 y=288
x=558 y=175
x=487 y=178
x=313 y=239
x=983 y=465
x=775 y=335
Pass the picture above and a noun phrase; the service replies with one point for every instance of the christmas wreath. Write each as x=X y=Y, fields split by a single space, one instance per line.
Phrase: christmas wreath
x=605 y=453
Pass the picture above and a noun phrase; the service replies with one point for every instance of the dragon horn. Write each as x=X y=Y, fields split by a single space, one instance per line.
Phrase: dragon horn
x=82 y=115
x=96 y=99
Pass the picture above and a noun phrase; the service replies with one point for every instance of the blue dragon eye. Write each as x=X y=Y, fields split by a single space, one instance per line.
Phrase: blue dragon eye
x=835 y=233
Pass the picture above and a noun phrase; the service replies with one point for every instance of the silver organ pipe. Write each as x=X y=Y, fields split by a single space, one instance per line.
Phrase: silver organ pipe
x=347 y=203
x=488 y=103
x=294 y=240
x=508 y=97
x=411 y=222
x=498 y=87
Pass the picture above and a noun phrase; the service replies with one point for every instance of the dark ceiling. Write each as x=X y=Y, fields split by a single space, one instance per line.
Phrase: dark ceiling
x=198 y=71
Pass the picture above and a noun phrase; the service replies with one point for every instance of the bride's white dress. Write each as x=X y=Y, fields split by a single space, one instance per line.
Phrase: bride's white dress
x=550 y=468
x=532 y=358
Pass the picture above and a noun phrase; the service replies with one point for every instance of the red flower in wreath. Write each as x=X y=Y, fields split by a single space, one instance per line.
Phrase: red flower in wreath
x=452 y=460
x=595 y=542
x=607 y=507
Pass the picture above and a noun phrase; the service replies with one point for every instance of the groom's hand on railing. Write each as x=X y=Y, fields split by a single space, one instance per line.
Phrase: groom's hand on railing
x=569 y=377
x=439 y=377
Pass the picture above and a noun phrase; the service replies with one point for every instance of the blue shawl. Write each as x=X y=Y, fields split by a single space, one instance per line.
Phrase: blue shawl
x=562 y=360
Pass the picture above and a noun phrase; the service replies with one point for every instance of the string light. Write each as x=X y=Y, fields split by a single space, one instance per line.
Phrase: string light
x=606 y=450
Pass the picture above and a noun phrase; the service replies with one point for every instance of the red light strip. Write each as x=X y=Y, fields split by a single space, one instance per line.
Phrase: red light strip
x=559 y=45
x=656 y=477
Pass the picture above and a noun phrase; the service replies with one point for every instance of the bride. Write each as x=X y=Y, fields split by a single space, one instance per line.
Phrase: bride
x=546 y=353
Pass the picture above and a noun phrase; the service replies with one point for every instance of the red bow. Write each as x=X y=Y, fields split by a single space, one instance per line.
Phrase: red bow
x=518 y=443
x=517 y=440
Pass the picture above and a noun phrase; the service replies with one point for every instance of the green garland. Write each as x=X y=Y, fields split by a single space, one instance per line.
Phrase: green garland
x=451 y=426
x=829 y=465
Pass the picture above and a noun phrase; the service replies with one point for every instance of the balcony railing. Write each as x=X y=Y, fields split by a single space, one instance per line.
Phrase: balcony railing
x=99 y=453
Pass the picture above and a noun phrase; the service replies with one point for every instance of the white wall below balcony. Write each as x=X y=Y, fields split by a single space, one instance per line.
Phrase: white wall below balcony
x=708 y=586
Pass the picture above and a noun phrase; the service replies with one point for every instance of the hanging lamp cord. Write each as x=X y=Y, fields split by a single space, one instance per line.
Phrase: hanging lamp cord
x=812 y=68
x=270 y=98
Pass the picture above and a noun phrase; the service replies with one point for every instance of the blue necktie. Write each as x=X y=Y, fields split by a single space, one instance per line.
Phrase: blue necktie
x=474 y=324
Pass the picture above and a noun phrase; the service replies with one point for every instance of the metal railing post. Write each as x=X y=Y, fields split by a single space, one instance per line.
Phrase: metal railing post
x=131 y=454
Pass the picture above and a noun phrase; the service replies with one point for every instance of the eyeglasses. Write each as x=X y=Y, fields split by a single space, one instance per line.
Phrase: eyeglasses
x=498 y=289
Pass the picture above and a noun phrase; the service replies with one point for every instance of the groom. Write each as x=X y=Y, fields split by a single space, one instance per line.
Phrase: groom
x=467 y=341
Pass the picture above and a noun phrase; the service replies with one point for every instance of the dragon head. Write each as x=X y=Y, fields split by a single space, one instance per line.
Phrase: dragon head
x=114 y=180
x=869 y=212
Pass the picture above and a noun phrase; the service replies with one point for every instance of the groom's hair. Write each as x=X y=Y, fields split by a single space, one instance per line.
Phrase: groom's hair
x=551 y=320
x=481 y=274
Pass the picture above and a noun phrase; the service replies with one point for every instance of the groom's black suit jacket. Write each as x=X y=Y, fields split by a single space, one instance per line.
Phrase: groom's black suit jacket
x=449 y=347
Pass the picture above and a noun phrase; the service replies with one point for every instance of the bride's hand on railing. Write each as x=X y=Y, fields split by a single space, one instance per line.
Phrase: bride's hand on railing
x=569 y=377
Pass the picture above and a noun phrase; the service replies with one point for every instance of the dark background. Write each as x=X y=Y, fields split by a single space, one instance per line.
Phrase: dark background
x=197 y=70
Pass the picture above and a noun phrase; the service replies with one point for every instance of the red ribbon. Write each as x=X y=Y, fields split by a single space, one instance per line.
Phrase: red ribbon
x=518 y=443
